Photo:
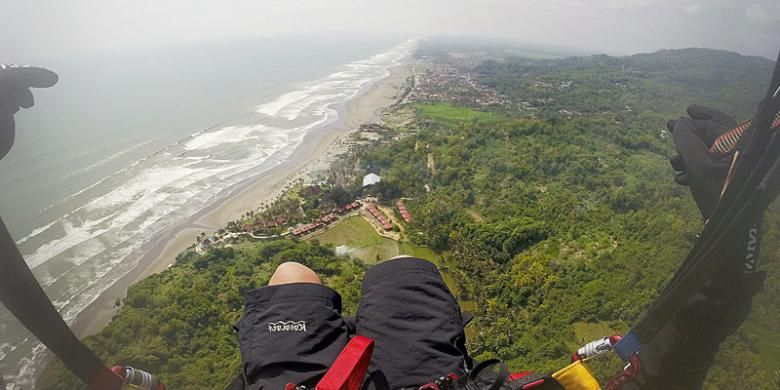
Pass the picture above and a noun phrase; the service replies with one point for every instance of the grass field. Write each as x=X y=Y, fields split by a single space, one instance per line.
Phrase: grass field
x=451 y=115
x=586 y=332
x=357 y=238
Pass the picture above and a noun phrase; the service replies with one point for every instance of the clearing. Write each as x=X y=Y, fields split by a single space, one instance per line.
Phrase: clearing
x=358 y=239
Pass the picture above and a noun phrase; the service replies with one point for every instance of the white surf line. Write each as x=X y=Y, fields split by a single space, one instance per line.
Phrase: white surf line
x=107 y=159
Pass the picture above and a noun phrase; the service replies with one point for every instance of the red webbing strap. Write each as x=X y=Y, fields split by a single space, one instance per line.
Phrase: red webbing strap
x=107 y=379
x=26 y=300
x=625 y=376
x=517 y=375
x=349 y=368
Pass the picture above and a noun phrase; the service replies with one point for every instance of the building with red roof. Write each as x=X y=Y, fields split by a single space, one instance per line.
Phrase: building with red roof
x=379 y=216
x=306 y=229
x=403 y=211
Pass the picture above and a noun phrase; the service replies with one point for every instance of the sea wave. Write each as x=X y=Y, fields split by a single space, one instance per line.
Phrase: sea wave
x=35 y=232
x=230 y=134
x=106 y=160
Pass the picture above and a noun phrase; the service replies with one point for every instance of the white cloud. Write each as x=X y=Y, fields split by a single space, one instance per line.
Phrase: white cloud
x=54 y=27
x=694 y=9
x=629 y=4
x=765 y=14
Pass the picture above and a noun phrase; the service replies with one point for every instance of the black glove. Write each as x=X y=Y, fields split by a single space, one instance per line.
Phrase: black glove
x=15 y=84
x=695 y=168
x=680 y=355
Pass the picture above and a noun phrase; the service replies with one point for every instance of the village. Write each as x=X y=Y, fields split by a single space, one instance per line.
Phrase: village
x=275 y=222
x=448 y=83
x=444 y=83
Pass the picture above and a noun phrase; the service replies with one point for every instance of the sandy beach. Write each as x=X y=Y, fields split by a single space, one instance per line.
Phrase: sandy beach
x=318 y=149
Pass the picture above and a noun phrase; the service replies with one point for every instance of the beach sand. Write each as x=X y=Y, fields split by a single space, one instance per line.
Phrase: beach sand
x=316 y=152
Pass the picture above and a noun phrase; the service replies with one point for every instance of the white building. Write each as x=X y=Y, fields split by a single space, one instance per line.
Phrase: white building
x=371 y=178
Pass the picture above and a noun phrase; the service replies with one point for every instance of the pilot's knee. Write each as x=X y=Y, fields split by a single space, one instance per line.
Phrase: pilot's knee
x=292 y=272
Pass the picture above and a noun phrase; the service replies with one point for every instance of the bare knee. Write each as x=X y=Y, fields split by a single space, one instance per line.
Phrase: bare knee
x=292 y=272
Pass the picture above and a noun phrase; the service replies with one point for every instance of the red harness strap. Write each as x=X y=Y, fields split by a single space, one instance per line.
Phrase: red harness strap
x=629 y=373
x=349 y=368
x=106 y=379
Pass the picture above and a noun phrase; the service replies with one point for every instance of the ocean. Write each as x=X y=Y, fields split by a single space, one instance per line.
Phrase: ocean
x=130 y=143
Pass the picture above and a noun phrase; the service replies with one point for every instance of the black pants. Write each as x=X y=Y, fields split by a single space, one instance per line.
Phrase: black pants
x=292 y=333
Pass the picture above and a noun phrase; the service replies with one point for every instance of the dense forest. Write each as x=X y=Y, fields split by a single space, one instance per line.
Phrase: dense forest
x=562 y=226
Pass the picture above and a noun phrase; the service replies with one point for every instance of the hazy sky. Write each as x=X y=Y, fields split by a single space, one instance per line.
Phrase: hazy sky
x=29 y=29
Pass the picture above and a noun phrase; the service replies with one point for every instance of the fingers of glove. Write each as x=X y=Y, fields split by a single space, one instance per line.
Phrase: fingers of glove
x=23 y=97
x=709 y=130
x=12 y=97
x=29 y=76
x=681 y=178
x=689 y=144
x=699 y=128
x=706 y=113
x=7 y=133
x=670 y=125
x=677 y=162
x=15 y=84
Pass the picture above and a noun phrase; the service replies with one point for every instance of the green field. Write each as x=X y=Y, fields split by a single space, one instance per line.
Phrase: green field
x=448 y=114
x=356 y=236
x=585 y=332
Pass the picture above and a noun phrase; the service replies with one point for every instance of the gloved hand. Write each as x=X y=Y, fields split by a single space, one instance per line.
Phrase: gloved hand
x=680 y=355
x=15 y=84
x=695 y=168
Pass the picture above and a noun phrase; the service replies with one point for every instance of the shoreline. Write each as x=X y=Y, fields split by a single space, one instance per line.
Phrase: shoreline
x=316 y=152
